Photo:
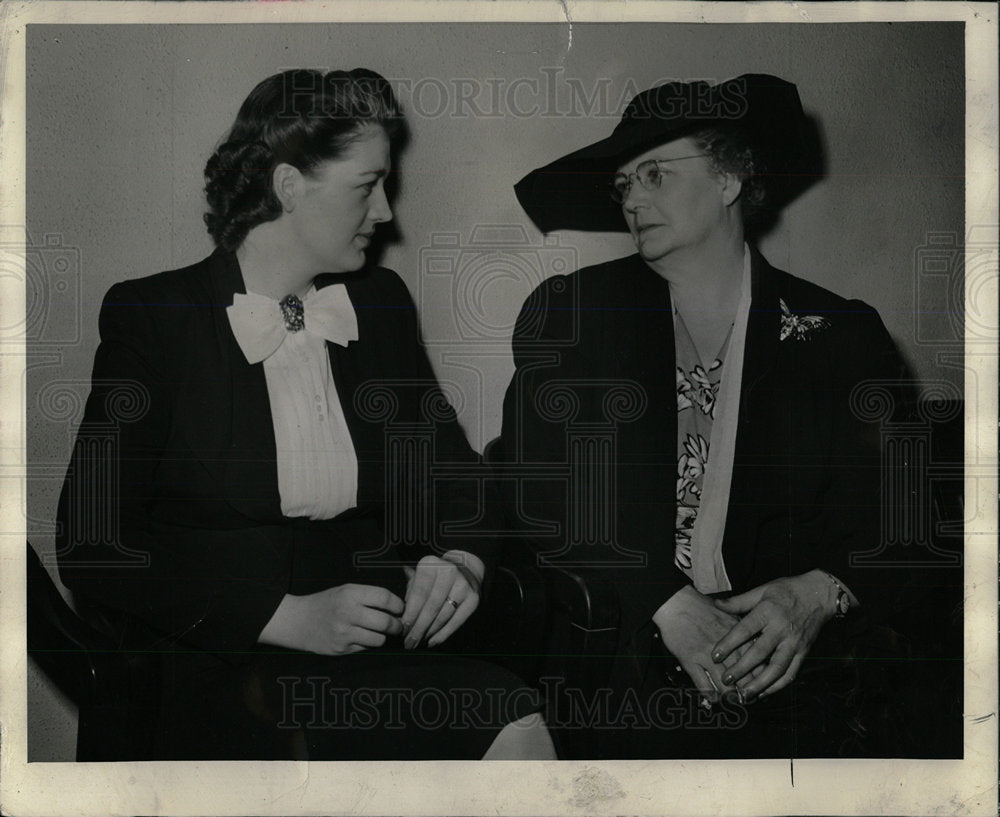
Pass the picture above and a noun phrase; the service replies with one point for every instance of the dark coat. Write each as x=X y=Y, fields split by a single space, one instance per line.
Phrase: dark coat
x=594 y=360
x=170 y=510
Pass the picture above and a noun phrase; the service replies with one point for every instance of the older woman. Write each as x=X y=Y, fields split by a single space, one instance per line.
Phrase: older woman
x=739 y=481
x=235 y=523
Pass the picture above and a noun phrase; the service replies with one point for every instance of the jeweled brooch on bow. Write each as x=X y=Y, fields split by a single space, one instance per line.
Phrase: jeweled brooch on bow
x=293 y=313
x=799 y=327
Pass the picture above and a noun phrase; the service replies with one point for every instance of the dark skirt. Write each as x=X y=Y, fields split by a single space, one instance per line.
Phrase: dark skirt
x=649 y=710
x=387 y=704
x=383 y=704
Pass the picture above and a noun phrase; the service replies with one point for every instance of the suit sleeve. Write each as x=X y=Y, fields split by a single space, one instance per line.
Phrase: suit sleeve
x=557 y=376
x=463 y=518
x=871 y=390
x=211 y=589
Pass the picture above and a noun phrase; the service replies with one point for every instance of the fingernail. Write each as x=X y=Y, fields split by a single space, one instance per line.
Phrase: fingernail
x=410 y=643
x=432 y=643
x=740 y=696
x=717 y=656
x=727 y=679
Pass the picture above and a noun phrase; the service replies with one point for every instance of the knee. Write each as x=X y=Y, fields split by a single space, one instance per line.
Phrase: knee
x=524 y=739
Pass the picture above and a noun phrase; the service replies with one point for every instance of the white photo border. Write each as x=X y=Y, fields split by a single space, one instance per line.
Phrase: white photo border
x=757 y=787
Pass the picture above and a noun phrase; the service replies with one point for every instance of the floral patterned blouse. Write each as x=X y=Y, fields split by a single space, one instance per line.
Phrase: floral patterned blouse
x=697 y=390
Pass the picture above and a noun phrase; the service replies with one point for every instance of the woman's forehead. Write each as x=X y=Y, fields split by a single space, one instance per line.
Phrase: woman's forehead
x=368 y=152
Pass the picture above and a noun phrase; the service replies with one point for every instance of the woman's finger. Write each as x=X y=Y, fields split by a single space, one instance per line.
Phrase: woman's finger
x=747 y=628
x=452 y=601
x=410 y=574
x=470 y=566
x=713 y=676
x=790 y=675
x=443 y=580
x=462 y=613
x=455 y=595
x=377 y=621
x=776 y=667
x=380 y=598
x=466 y=609
x=417 y=592
x=758 y=653
x=706 y=682
x=734 y=657
x=445 y=614
x=366 y=638
x=355 y=639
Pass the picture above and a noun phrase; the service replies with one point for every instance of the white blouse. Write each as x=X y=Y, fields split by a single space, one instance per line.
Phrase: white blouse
x=708 y=570
x=317 y=463
x=316 y=459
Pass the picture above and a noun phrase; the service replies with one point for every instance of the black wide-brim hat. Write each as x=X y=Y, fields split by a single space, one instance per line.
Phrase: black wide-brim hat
x=573 y=192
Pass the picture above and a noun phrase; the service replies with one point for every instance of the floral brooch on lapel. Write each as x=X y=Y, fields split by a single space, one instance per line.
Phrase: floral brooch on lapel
x=799 y=327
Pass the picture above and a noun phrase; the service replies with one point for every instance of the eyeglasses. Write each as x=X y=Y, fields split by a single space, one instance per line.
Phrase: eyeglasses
x=649 y=176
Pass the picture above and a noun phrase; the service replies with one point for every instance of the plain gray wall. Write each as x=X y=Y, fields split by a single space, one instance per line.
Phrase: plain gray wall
x=122 y=118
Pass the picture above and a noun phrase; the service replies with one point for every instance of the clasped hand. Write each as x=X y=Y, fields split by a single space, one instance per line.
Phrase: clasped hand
x=755 y=642
x=336 y=621
x=441 y=594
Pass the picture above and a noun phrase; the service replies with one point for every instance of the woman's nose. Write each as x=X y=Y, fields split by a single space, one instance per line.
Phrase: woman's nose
x=632 y=197
x=380 y=210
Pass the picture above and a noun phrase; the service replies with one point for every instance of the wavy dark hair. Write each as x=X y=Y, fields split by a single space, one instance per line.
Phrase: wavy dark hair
x=730 y=152
x=302 y=118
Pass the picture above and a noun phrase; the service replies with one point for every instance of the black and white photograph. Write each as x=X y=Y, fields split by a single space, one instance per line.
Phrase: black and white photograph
x=474 y=409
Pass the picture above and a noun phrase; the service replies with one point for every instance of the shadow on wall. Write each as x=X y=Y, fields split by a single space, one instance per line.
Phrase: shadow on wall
x=808 y=169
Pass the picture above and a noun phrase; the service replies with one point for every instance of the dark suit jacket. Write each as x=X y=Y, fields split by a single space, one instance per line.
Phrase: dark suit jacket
x=594 y=354
x=170 y=510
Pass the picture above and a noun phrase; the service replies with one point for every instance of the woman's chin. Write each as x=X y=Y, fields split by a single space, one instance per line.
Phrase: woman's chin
x=652 y=252
x=349 y=262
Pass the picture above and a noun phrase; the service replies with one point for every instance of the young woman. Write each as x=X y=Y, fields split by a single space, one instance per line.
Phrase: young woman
x=236 y=521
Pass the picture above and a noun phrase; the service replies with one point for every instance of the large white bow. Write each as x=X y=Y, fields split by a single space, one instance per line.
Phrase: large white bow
x=259 y=326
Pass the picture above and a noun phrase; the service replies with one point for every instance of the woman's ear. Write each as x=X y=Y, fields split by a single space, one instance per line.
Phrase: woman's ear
x=731 y=188
x=286 y=181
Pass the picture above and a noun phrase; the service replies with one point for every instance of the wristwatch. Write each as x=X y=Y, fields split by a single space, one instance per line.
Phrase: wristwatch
x=843 y=604
x=843 y=599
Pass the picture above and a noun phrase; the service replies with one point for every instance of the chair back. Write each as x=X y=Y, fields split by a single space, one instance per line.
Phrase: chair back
x=116 y=691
